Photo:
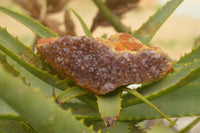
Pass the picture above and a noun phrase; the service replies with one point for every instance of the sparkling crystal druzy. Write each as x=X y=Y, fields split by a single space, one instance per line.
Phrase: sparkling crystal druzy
x=102 y=65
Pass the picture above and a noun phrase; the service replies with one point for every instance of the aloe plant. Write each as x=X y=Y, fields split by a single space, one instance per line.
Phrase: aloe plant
x=27 y=82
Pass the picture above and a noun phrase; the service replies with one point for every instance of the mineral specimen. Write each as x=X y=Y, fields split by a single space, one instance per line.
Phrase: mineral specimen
x=102 y=65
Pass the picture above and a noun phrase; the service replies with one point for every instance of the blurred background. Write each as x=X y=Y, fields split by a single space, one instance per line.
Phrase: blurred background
x=177 y=35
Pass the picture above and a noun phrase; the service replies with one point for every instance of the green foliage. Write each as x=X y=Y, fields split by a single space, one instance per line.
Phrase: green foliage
x=35 y=26
x=190 y=126
x=6 y=112
x=181 y=77
x=70 y=93
x=26 y=109
x=149 y=28
x=120 y=127
x=42 y=113
x=109 y=113
x=11 y=126
x=85 y=28
x=174 y=104
x=139 y=96
x=191 y=56
x=160 y=129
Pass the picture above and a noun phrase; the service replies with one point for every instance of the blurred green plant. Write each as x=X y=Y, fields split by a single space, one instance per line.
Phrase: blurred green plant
x=26 y=83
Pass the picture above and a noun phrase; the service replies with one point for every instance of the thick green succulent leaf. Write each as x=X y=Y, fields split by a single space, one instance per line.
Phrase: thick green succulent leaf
x=37 y=80
x=84 y=26
x=22 y=50
x=178 y=66
x=190 y=126
x=179 y=103
x=151 y=26
x=35 y=26
x=2 y=58
x=82 y=110
x=181 y=77
x=11 y=126
x=191 y=56
x=35 y=71
x=6 y=112
x=28 y=70
x=119 y=127
x=29 y=58
x=34 y=81
x=138 y=95
x=160 y=129
x=4 y=63
x=69 y=93
x=13 y=43
x=109 y=108
x=30 y=79
x=88 y=100
x=29 y=103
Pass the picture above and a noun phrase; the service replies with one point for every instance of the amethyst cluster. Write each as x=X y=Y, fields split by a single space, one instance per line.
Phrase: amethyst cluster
x=98 y=67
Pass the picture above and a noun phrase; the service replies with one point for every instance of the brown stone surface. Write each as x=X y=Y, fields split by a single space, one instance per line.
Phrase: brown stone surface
x=99 y=66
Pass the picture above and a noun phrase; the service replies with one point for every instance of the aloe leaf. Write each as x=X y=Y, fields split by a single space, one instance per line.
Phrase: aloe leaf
x=181 y=102
x=84 y=26
x=109 y=113
x=35 y=26
x=29 y=103
x=174 y=104
x=178 y=66
x=82 y=110
x=27 y=55
x=30 y=79
x=86 y=99
x=189 y=73
x=110 y=17
x=35 y=77
x=190 y=126
x=40 y=74
x=6 y=66
x=138 y=95
x=43 y=81
x=151 y=26
x=69 y=93
x=11 y=126
x=6 y=112
x=2 y=58
x=160 y=129
x=13 y=43
x=120 y=127
x=191 y=56
x=22 y=50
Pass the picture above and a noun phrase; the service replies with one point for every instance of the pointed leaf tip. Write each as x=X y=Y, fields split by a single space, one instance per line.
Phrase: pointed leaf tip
x=110 y=121
x=146 y=32
x=109 y=114
x=84 y=26
x=35 y=26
